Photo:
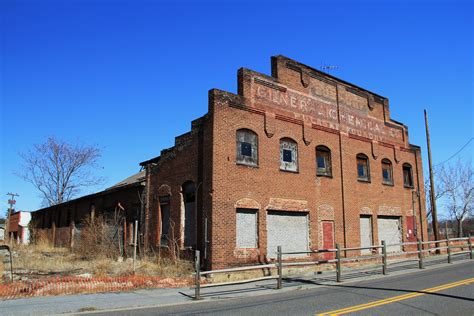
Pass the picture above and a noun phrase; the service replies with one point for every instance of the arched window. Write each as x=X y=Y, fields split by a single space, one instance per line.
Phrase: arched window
x=363 y=170
x=288 y=155
x=323 y=161
x=387 y=172
x=247 y=147
x=407 y=176
x=165 y=220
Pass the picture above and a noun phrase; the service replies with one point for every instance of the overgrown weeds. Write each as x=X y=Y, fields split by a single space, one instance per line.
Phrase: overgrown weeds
x=97 y=239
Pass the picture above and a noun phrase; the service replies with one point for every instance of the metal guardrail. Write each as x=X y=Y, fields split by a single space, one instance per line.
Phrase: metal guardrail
x=422 y=247
x=7 y=248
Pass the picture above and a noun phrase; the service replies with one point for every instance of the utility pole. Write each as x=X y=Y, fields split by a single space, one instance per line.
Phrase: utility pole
x=11 y=202
x=432 y=186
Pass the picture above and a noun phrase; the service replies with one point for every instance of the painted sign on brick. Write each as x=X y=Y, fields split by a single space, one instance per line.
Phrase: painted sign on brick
x=323 y=111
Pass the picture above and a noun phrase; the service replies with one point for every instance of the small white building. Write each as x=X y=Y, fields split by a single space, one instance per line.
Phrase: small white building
x=18 y=227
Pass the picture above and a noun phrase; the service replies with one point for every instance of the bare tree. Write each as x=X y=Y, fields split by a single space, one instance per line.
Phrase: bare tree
x=59 y=169
x=457 y=183
x=440 y=192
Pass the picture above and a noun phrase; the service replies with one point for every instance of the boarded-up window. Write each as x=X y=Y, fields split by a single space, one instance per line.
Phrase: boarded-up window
x=365 y=233
x=247 y=147
x=288 y=155
x=246 y=230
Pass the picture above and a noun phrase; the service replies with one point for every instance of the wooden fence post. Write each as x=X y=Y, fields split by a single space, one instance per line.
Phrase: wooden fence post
x=197 y=288
x=469 y=242
x=448 y=249
x=420 y=254
x=72 y=226
x=54 y=234
x=279 y=268
x=384 y=258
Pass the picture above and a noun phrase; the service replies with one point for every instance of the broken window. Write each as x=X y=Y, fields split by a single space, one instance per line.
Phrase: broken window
x=323 y=161
x=387 y=173
x=288 y=155
x=247 y=147
x=246 y=228
x=363 y=172
x=407 y=176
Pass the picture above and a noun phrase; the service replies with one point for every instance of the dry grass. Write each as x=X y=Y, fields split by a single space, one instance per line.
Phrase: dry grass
x=41 y=241
x=96 y=253
x=35 y=261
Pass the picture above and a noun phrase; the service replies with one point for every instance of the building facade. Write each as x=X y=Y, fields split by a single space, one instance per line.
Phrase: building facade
x=299 y=159
x=62 y=223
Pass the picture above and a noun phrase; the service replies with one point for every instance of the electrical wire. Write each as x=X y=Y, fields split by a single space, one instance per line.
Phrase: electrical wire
x=456 y=153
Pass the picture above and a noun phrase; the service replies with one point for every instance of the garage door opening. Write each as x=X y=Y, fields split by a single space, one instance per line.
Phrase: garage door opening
x=288 y=230
x=389 y=229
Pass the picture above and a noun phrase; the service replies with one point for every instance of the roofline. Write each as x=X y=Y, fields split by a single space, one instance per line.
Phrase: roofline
x=330 y=76
x=110 y=190
x=152 y=160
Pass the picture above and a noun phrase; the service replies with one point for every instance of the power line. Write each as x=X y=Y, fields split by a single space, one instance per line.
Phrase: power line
x=454 y=155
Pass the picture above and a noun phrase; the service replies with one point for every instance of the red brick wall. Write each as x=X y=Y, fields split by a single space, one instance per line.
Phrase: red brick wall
x=209 y=156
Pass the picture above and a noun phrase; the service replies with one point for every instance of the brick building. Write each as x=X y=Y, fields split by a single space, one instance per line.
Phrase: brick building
x=299 y=159
x=61 y=222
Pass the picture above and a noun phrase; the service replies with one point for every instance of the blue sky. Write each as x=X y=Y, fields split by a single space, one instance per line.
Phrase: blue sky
x=129 y=76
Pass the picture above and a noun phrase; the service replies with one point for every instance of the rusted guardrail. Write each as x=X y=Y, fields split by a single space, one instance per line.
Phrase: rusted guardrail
x=422 y=247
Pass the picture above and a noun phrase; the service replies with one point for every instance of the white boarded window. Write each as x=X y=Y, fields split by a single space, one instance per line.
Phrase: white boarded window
x=246 y=230
x=247 y=147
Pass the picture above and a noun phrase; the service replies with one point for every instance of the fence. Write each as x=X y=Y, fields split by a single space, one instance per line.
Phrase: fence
x=422 y=249
x=81 y=285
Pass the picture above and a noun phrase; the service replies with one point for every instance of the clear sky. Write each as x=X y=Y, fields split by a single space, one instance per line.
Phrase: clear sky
x=129 y=76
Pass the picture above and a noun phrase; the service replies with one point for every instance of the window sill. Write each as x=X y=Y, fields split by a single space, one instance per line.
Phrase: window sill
x=246 y=164
x=363 y=180
x=324 y=175
x=290 y=171
x=408 y=186
x=390 y=184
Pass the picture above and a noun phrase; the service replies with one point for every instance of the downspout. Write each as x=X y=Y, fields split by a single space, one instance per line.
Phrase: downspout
x=340 y=163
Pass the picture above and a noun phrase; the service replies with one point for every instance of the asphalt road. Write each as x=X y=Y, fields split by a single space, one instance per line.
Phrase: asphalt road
x=447 y=290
